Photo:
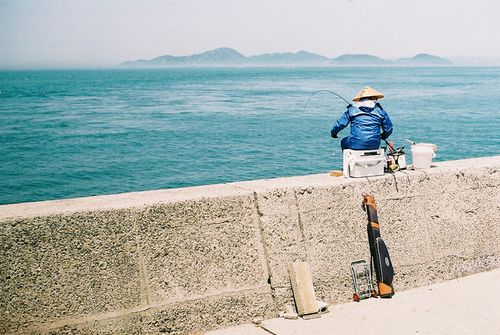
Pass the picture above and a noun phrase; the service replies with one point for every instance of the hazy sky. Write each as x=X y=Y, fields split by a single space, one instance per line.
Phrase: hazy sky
x=102 y=33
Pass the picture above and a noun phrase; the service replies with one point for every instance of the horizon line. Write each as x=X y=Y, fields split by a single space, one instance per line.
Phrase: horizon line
x=121 y=67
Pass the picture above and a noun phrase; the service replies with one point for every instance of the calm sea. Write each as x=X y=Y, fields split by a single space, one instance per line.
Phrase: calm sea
x=80 y=133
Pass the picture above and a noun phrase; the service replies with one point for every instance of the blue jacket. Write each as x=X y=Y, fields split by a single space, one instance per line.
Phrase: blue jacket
x=366 y=126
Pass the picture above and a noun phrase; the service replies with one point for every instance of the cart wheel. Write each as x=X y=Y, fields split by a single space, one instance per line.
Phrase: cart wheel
x=374 y=293
x=355 y=297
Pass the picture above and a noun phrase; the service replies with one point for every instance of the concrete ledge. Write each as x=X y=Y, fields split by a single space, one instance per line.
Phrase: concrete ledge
x=187 y=260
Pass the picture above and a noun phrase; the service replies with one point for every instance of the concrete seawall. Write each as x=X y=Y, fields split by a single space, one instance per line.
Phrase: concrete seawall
x=186 y=260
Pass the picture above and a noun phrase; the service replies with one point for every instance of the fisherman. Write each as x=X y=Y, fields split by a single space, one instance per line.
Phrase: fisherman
x=367 y=118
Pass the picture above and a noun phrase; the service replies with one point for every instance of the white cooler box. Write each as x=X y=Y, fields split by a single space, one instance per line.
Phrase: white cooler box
x=363 y=163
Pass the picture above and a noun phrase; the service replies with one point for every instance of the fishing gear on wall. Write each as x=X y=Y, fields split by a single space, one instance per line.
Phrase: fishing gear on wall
x=380 y=259
x=396 y=157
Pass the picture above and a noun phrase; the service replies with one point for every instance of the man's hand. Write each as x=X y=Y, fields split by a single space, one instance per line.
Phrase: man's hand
x=334 y=135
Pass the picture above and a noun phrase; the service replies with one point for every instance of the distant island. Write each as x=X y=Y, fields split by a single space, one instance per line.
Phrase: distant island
x=231 y=57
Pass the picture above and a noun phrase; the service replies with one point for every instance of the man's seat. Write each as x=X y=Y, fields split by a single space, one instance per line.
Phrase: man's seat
x=363 y=163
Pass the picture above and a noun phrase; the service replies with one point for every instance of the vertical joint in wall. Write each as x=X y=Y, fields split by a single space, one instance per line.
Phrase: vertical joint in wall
x=263 y=240
x=145 y=291
x=301 y=227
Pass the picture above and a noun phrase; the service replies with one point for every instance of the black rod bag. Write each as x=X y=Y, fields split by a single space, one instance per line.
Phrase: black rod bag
x=379 y=254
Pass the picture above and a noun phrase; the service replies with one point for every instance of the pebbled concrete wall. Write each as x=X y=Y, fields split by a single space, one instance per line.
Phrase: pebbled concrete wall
x=187 y=260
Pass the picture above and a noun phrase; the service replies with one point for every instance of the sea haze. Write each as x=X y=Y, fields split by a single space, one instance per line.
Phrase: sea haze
x=80 y=133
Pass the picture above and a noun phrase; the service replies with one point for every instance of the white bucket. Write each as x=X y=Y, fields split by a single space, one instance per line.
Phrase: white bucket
x=422 y=154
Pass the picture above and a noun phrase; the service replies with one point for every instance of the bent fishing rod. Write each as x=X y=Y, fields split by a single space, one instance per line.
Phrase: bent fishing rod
x=328 y=91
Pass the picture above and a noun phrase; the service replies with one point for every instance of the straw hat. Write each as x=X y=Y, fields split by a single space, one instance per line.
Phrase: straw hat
x=368 y=92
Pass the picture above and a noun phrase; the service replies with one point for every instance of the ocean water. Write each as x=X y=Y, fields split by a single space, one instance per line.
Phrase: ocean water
x=76 y=133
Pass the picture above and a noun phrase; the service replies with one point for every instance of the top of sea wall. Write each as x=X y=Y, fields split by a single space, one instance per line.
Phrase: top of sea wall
x=146 y=198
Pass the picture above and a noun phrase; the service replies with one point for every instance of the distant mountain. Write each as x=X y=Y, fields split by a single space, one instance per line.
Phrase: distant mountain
x=359 y=59
x=370 y=60
x=424 y=59
x=231 y=57
x=221 y=56
x=301 y=57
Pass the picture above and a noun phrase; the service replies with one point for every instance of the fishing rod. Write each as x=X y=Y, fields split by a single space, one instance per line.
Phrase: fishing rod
x=389 y=144
x=328 y=91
